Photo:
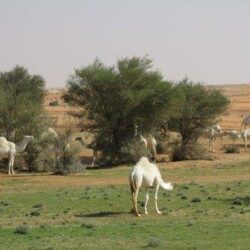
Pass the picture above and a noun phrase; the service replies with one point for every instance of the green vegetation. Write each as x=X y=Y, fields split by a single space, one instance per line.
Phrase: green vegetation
x=21 y=102
x=197 y=108
x=118 y=98
x=232 y=149
x=209 y=214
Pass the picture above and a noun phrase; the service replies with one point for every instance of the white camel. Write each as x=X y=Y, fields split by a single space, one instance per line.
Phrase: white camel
x=146 y=174
x=10 y=148
x=245 y=134
x=233 y=135
x=211 y=133
x=245 y=122
x=150 y=143
x=92 y=145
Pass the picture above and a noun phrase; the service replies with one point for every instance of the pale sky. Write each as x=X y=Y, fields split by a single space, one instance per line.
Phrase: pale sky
x=206 y=40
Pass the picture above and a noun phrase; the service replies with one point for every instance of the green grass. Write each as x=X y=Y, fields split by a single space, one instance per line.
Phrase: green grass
x=195 y=215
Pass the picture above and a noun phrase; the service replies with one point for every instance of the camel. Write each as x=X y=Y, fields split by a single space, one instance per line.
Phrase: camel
x=93 y=145
x=245 y=134
x=10 y=148
x=211 y=133
x=49 y=132
x=149 y=142
x=233 y=135
x=146 y=174
x=245 y=122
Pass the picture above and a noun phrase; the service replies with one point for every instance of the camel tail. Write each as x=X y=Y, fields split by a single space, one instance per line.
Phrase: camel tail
x=166 y=185
x=132 y=183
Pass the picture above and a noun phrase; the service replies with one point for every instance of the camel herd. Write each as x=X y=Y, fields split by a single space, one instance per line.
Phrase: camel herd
x=210 y=133
x=144 y=173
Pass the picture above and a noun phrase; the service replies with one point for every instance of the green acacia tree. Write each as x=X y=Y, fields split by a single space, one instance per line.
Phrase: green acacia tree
x=198 y=107
x=21 y=102
x=116 y=98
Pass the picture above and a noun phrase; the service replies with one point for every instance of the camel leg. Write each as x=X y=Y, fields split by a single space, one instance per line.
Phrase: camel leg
x=94 y=158
x=212 y=144
x=12 y=163
x=9 y=164
x=146 y=201
x=156 y=198
x=135 y=202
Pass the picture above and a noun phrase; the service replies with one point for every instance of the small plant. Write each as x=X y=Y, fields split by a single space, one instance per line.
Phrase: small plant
x=196 y=199
x=34 y=213
x=154 y=242
x=89 y=225
x=232 y=149
x=54 y=103
x=237 y=202
x=38 y=205
x=23 y=229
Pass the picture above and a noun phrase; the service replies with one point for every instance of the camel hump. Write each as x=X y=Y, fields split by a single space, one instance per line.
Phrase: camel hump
x=3 y=141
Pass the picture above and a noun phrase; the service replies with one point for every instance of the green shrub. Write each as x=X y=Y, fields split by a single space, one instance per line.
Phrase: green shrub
x=231 y=149
x=193 y=151
x=34 y=213
x=23 y=229
x=162 y=148
x=154 y=242
x=54 y=103
x=196 y=199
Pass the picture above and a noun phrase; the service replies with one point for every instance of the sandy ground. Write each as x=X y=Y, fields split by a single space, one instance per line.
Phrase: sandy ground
x=239 y=96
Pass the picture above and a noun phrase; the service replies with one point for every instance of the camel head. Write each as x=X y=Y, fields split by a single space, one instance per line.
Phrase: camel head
x=170 y=186
x=28 y=138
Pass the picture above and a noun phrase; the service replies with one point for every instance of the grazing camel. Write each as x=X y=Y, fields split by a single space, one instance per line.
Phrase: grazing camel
x=10 y=148
x=233 y=135
x=211 y=133
x=245 y=122
x=146 y=174
x=93 y=145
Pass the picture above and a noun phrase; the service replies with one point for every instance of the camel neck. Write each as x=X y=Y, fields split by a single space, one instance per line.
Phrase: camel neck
x=20 y=147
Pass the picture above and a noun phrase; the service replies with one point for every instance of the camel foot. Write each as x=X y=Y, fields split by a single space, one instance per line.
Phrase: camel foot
x=159 y=212
x=138 y=215
x=146 y=212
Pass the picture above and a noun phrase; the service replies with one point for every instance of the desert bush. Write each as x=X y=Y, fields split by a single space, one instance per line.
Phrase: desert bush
x=154 y=242
x=34 y=213
x=23 y=229
x=54 y=103
x=67 y=159
x=231 y=149
x=193 y=151
x=162 y=147
x=39 y=155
